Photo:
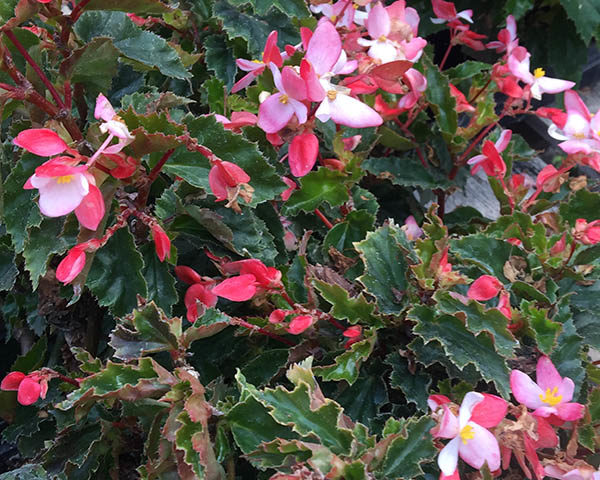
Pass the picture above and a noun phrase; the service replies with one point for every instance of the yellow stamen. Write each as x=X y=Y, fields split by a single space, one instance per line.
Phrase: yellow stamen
x=467 y=433
x=355 y=6
x=382 y=38
x=334 y=18
x=64 y=179
x=284 y=99
x=550 y=397
x=539 y=73
x=579 y=136
x=331 y=94
x=257 y=61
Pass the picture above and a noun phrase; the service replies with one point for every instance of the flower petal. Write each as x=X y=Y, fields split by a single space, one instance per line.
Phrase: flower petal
x=525 y=390
x=12 y=381
x=29 y=391
x=483 y=447
x=448 y=457
x=490 y=411
x=40 y=141
x=466 y=407
x=351 y=112
x=273 y=115
x=547 y=376
x=303 y=154
x=570 y=411
x=57 y=199
x=378 y=22
x=236 y=289
x=324 y=48
x=91 y=209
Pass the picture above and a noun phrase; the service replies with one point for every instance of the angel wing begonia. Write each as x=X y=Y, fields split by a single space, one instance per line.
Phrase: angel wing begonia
x=255 y=67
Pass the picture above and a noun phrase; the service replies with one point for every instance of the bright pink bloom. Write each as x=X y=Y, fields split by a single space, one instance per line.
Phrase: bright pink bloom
x=470 y=438
x=224 y=176
x=462 y=105
x=278 y=109
x=187 y=275
x=514 y=241
x=586 y=233
x=417 y=84
x=490 y=160
x=352 y=332
x=551 y=395
x=333 y=11
x=507 y=37
x=518 y=63
x=504 y=305
x=464 y=36
x=558 y=117
x=112 y=124
x=292 y=186
x=446 y=12
x=238 y=120
x=278 y=316
x=559 y=246
x=199 y=292
x=256 y=67
x=41 y=141
x=580 y=473
x=162 y=243
x=484 y=288
x=299 y=324
x=265 y=277
x=303 y=153
x=72 y=264
x=236 y=289
x=411 y=228
x=28 y=387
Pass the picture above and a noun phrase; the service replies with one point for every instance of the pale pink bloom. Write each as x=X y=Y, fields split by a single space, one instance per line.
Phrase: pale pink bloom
x=278 y=109
x=575 y=474
x=111 y=124
x=507 y=37
x=238 y=120
x=470 y=439
x=333 y=10
x=411 y=228
x=446 y=12
x=417 y=83
x=551 y=395
x=63 y=186
x=518 y=64
x=256 y=67
x=490 y=159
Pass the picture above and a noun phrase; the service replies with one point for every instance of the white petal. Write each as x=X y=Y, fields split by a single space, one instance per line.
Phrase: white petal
x=466 y=407
x=448 y=457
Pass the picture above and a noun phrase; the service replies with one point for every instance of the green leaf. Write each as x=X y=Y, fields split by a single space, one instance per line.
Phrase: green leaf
x=409 y=449
x=480 y=320
x=347 y=365
x=115 y=276
x=406 y=171
x=7 y=10
x=322 y=185
x=462 y=346
x=391 y=138
x=295 y=409
x=43 y=241
x=586 y=16
x=582 y=204
x=209 y=324
x=161 y=284
x=414 y=385
x=94 y=65
x=8 y=269
x=588 y=326
x=20 y=211
x=363 y=400
x=252 y=425
x=442 y=102
x=489 y=254
x=466 y=70
x=139 y=7
x=33 y=359
x=147 y=330
x=26 y=472
x=594 y=405
x=544 y=329
x=354 y=309
x=385 y=269
x=220 y=59
x=517 y=8
x=292 y=8
x=353 y=229
x=585 y=297
x=587 y=255
x=133 y=42
x=567 y=355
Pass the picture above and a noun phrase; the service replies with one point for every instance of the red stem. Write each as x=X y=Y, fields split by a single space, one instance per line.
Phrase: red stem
x=70 y=380
x=443 y=62
x=481 y=90
x=479 y=137
x=158 y=167
x=78 y=10
x=6 y=86
x=256 y=328
x=323 y=218
x=287 y=298
x=11 y=36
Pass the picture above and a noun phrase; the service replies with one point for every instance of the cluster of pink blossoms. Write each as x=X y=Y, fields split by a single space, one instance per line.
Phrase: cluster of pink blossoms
x=471 y=440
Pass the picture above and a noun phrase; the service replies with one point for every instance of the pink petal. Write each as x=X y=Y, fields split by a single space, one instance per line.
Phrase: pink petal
x=40 y=141
x=570 y=411
x=250 y=66
x=299 y=324
x=243 y=82
x=435 y=401
x=271 y=52
x=71 y=265
x=466 y=407
x=293 y=84
x=273 y=115
x=314 y=89
x=574 y=104
x=303 y=154
x=349 y=111
x=29 y=391
x=484 y=288
x=104 y=110
x=525 y=390
x=483 y=447
x=91 y=209
x=201 y=293
x=413 y=48
x=162 y=243
x=385 y=52
x=12 y=381
x=554 y=85
x=236 y=289
x=378 y=22
x=444 y=10
x=57 y=199
x=575 y=146
x=217 y=184
x=503 y=140
x=300 y=110
x=546 y=374
x=566 y=389
x=490 y=411
x=448 y=457
x=187 y=275
x=448 y=427
x=324 y=48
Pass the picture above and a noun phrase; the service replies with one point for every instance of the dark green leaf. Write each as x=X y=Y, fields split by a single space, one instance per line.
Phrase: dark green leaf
x=134 y=43
x=588 y=327
x=220 y=60
x=363 y=400
x=353 y=229
x=33 y=359
x=407 y=171
x=161 y=284
x=115 y=277
x=586 y=16
x=354 y=309
x=489 y=254
x=567 y=355
x=517 y=8
x=319 y=186
x=442 y=102
x=139 y=7
x=26 y=472
x=582 y=204
x=8 y=269
x=414 y=386
x=544 y=329
x=466 y=70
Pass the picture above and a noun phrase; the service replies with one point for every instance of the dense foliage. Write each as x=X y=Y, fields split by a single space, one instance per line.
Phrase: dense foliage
x=218 y=267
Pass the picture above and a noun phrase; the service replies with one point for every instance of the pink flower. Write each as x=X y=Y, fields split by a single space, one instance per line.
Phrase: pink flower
x=236 y=289
x=199 y=292
x=256 y=67
x=518 y=64
x=28 y=387
x=238 y=120
x=446 y=12
x=417 y=84
x=41 y=141
x=484 y=288
x=291 y=187
x=303 y=153
x=507 y=37
x=300 y=323
x=265 y=277
x=580 y=473
x=504 y=305
x=551 y=395
x=462 y=105
x=470 y=438
x=64 y=186
x=225 y=179
x=112 y=124
x=72 y=264
x=162 y=243
x=490 y=160
x=411 y=228
x=586 y=233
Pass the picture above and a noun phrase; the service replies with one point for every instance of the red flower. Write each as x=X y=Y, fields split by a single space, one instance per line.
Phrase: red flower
x=300 y=323
x=72 y=264
x=162 y=243
x=303 y=153
x=236 y=289
x=484 y=288
x=587 y=233
x=28 y=387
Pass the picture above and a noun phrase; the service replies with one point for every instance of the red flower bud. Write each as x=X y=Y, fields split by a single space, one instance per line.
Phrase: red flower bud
x=187 y=275
x=484 y=288
x=162 y=243
x=299 y=324
x=72 y=264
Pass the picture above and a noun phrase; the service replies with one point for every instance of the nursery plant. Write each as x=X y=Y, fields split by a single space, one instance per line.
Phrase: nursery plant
x=230 y=246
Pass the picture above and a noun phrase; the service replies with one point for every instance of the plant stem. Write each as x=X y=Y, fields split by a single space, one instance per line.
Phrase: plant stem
x=323 y=218
x=11 y=36
x=158 y=167
x=443 y=62
x=481 y=90
x=256 y=328
x=78 y=10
